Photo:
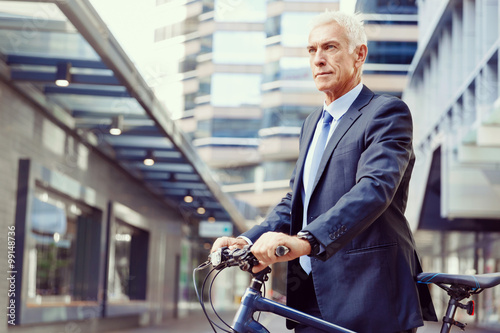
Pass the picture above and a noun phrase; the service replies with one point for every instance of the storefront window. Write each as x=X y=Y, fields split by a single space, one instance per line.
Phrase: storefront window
x=128 y=263
x=65 y=235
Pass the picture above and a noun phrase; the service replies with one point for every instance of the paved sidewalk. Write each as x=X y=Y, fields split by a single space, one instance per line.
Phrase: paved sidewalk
x=196 y=322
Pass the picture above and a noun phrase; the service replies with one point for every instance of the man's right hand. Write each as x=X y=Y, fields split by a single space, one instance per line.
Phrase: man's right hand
x=230 y=242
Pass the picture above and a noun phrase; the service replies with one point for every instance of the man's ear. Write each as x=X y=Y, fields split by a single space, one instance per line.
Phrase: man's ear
x=361 y=53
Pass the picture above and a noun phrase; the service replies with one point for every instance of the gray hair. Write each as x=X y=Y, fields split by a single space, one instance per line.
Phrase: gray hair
x=352 y=23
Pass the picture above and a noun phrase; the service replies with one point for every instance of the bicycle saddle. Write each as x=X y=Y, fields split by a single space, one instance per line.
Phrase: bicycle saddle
x=474 y=281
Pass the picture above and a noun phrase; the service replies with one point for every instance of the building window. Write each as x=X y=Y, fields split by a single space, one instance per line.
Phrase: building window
x=273 y=26
x=188 y=64
x=238 y=175
x=190 y=101
x=408 y=7
x=128 y=263
x=62 y=261
x=278 y=170
x=208 y=6
x=385 y=52
x=228 y=128
x=286 y=115
x=288 y=69
x=206 y=44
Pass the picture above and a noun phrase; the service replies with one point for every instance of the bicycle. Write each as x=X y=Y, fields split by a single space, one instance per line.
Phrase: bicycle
x=458 y=287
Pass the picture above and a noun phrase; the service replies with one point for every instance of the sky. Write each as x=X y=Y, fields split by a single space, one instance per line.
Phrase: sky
x=130 y=23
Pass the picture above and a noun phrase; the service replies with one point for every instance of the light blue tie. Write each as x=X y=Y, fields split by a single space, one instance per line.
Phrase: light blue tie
x=305 y=261
x=318 y=150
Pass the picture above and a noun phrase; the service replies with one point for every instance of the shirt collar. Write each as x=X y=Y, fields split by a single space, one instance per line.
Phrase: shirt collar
x=340 y=106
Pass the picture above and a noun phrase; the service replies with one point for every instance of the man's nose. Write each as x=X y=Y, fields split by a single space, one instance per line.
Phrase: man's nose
x=319 y=59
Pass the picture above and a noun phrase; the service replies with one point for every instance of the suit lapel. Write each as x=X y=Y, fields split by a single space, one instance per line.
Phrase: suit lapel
x=345 y=123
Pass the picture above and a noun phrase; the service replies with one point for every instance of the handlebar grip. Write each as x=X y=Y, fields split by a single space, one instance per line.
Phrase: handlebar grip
x=281 y=250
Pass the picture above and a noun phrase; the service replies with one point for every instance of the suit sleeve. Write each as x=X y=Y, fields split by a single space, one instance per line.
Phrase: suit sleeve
x=380 y=167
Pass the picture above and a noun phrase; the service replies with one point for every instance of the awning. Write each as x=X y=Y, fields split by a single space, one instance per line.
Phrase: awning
x=45 y=40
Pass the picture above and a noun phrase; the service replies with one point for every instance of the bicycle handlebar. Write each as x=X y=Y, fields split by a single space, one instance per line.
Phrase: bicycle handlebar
x=244 y=258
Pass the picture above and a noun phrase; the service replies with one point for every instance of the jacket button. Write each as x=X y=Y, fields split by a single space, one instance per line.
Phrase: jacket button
x=332 y=236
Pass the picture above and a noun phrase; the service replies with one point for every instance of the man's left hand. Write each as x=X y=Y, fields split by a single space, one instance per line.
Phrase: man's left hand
x=264 y=249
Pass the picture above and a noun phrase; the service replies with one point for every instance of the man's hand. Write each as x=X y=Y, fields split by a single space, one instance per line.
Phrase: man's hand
x=230 y=242
x=264 y=249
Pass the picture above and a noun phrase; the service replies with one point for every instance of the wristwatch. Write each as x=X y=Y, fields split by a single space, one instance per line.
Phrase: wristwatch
x=312 y=241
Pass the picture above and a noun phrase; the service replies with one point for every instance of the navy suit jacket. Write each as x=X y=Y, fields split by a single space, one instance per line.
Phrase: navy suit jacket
x=364 y=278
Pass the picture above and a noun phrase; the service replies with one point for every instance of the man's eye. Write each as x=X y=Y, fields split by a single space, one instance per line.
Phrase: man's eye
x=311 y=51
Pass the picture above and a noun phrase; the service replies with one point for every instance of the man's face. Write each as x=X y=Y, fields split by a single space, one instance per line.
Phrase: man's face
x=334 y=69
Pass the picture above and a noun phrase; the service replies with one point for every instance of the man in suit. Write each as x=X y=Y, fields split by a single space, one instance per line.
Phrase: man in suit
x=352 y=258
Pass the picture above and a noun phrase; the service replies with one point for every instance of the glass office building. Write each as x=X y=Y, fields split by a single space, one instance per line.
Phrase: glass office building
x=453 y=93
x=247 y=86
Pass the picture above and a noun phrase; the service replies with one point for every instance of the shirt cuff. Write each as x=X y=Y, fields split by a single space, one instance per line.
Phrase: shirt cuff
x=246 y=239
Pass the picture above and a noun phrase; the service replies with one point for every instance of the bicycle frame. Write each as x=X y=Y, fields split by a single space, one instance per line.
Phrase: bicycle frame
x=253 y=301
x=458 y=287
